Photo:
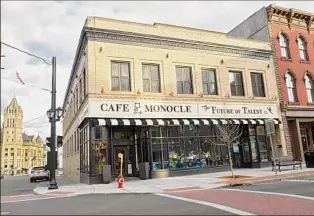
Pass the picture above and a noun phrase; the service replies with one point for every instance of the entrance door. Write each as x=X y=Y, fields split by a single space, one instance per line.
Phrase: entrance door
x=304 y=138
x=128 y=168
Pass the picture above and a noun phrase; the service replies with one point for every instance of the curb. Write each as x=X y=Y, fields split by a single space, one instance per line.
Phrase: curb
x=249 y=183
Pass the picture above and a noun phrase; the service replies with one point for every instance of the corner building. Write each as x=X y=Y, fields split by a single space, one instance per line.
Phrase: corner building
x=156 y=93
x=291 y=33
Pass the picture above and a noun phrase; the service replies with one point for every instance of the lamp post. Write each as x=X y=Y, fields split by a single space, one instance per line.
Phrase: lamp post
x=54 y=115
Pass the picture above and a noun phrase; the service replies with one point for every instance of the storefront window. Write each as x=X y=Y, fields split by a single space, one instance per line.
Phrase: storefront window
x=84 y=150
x=176 y=148
x=212 y=152
x=159 y=148
x=191 y=146
x=99 y=148
x=253 y=143
x=264 y=148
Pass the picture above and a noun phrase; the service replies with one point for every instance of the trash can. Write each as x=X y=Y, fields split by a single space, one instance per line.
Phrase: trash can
x=106 y=174
x=144 y=170
x=309 y=159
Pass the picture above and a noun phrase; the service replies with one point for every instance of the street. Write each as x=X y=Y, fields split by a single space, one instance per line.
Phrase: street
x=286 y=197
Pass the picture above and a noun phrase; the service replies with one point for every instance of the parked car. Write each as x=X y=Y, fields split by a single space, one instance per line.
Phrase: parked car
x=39 y=173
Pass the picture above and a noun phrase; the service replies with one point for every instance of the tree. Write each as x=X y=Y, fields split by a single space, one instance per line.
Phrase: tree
x=227 y=135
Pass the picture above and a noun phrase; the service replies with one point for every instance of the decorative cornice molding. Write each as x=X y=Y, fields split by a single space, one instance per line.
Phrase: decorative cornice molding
x=105 y=35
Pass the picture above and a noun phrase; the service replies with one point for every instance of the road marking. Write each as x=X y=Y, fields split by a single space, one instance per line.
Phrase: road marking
x=24 y=200
x=272 y=193
x=17 y=195
x=299 y=180
x=214 y=205
x=5 y=213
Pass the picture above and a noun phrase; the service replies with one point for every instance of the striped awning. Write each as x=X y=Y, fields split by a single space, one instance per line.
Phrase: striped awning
x=152 y=122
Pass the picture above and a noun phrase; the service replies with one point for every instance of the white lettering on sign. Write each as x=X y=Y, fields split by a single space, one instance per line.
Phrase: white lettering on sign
x=174 y=109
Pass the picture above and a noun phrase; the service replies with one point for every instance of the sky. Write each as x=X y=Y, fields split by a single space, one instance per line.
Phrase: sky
x=52 y=28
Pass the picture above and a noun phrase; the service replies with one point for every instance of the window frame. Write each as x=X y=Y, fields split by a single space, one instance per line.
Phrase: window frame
x=150 y=80
x=284 y=44
x=181 y=67
x=120 y=77
x=308 y=79
x=242 y=83
x=302 y=42
x=208 y=82
x=291 y=89
x=261 y=85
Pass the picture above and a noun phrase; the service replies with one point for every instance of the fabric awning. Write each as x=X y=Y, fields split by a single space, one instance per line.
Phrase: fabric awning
x=161 y=122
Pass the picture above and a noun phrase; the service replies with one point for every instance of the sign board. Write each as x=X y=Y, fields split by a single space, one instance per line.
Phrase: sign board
x=176 y=109
x=270 y=127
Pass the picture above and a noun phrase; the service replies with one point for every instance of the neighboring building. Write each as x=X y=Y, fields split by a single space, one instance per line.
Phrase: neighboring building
x=291 y=32
x=156 y=93
x=19 y=151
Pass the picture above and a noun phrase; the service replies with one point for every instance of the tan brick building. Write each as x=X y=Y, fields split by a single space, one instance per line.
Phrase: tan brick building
x=156 y=93
x=19 y=151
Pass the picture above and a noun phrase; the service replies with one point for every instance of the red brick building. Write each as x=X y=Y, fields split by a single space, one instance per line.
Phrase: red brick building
x=291 y=33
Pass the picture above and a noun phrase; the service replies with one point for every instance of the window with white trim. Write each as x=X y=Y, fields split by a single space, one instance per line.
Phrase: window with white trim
x=309 y=88
x=291 y=89
x=302 y=49
x=284 y=46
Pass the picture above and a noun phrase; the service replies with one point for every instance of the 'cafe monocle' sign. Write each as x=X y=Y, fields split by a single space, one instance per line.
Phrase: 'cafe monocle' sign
x=174 y=109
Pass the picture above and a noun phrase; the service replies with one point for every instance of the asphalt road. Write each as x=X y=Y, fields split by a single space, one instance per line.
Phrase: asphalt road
x=145 y=204
x=20 y=185
x=286 y=197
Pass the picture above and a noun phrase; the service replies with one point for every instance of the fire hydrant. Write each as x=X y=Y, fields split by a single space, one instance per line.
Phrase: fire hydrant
x=120 y=181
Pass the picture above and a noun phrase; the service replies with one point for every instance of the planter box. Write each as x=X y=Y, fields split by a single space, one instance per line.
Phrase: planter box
x=161 y=173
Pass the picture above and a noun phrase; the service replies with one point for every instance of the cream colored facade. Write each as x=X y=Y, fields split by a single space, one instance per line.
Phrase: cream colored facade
x=19 y=152
x=167 y=46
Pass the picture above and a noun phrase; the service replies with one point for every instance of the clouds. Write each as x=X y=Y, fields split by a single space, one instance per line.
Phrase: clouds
x=52 y=28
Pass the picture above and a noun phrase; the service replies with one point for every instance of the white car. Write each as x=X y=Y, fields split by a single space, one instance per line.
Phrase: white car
x=39 y=173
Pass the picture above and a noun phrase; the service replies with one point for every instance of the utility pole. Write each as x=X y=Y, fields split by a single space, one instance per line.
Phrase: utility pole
x=53 y=159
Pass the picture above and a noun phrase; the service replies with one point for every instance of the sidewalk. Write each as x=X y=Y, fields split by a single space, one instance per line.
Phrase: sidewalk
x=163 y=185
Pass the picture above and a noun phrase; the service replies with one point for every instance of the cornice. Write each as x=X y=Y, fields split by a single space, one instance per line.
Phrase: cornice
x=290 y=15
x=132 y=38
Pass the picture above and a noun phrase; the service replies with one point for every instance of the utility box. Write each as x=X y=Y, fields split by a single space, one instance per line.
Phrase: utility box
x=144 y=170
x=106 y=174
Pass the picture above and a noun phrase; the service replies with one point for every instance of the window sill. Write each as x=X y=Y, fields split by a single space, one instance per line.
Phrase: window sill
x=305 y=62
x=293 y=103
x=286 y=59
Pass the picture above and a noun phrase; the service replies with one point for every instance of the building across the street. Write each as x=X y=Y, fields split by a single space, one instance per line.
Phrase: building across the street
x=157 y=93
x=19 y=151
x=291 y=33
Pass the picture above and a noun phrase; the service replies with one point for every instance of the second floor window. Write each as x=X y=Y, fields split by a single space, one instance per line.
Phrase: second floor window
x=151 y=78
x=209 y=82
x=284 y=46
x=258 y=84
x=184 y=80
x=290 y=83
x=302 y=49
x=236 y=83
x=309 y=88
x=120 y=76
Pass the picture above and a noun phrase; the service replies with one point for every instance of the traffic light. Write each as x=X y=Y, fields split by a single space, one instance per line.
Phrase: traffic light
x=59 y=141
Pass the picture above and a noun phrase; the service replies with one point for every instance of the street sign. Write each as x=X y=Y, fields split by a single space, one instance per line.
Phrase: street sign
x=270 y=127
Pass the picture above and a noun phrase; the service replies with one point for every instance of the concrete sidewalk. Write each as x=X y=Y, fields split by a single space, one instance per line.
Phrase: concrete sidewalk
x=181 y=183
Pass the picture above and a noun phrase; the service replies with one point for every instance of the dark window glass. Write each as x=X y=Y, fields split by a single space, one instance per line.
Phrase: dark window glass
x=120 y=76
x=209 y=82
x=236 y=83
x=258 y=84
x=151 y=78
x=184 y=80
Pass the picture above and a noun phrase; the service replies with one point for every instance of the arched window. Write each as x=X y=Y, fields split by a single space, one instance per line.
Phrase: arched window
x=290 y=83
x=302 y=49
x=309 y=88
x=284 y=46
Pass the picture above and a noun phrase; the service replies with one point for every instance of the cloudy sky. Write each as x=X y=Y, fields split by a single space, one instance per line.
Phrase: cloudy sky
x=52 y=28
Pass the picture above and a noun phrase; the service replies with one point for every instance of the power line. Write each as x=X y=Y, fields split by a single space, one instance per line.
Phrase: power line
x=30 y=54
x=44 y=89
x=34 y=119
